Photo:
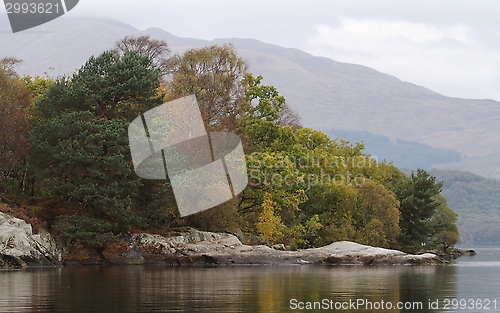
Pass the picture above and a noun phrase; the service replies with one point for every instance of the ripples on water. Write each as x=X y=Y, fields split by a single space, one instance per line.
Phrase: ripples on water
x=482 y=264
x=478 y=277
x=244 y=288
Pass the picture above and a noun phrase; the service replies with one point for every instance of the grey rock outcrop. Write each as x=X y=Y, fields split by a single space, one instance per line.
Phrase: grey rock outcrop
x=197 y=247
x=19 y=247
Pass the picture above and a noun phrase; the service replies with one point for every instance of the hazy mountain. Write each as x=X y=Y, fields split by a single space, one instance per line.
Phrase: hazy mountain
x=402 y=153
x=477 y=201
x=326 y=94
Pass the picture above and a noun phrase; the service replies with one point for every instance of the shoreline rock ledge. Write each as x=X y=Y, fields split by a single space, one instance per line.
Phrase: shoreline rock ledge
x=19 y=248
x=205 y=248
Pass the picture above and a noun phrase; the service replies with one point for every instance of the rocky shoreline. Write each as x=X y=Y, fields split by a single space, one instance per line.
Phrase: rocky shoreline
x=19 y=247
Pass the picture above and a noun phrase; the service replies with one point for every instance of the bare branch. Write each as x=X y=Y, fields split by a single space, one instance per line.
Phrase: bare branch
x=9 y=64
x=156 y=50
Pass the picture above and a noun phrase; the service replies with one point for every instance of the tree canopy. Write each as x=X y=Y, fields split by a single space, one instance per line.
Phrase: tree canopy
x=305 y=189
x=80 y=148
x=14 y=127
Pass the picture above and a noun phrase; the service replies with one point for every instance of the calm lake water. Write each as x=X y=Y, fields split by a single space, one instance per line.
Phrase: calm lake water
x=257 y=288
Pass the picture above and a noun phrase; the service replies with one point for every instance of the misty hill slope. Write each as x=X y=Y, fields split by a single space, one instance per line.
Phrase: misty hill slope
x=64 y=44
x=477 y=201
x=327 y=94
x=402 y=153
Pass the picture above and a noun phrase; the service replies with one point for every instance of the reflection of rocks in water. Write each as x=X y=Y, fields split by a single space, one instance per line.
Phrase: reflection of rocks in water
x=157 y=288
x=374 y=284
x=420 y=283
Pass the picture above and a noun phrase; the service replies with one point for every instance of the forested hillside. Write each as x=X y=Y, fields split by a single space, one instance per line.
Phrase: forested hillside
x=70 y=158
x=403 y=153
x=477 y=201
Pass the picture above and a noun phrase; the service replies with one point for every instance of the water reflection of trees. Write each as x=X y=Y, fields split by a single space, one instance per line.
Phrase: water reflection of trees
x=225 y=289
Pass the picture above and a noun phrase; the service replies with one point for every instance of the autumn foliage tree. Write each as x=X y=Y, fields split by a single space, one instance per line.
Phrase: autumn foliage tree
x=213 y=74
x=14 y=127
x=269 y=224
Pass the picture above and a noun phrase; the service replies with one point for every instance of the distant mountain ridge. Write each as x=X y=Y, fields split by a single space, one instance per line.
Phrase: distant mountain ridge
x=403 y=153
x=327 y=94
x=477 y=201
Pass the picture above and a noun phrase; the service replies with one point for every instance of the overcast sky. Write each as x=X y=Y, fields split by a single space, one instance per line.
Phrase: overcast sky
x=452 y=47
